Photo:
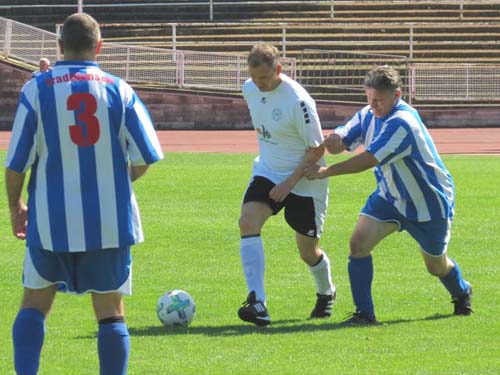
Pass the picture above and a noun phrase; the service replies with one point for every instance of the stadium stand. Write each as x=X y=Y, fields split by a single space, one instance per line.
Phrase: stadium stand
x=425 y=42
x=424 y=31
x=45 y=13
x=427 y=32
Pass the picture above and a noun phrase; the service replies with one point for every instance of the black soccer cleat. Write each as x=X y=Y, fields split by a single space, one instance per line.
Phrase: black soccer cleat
x=254 y=311
x=324 y=306
x=463 y=305
x=359 y=318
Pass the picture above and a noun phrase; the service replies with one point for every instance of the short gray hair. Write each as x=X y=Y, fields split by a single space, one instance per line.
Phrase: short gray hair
x=383 y=78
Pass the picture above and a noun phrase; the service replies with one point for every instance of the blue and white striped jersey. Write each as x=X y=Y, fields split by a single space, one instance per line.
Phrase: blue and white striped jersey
x=410 y=174
x=78 y=128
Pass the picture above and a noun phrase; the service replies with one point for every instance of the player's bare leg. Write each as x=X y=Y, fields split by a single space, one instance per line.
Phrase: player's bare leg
x=253 y=217
x=39 y=299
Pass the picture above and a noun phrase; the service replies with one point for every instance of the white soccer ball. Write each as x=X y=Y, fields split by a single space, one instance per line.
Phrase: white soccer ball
x=175 y=308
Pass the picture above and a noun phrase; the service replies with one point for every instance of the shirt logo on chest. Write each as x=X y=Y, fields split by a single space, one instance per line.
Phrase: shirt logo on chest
x=264 y=132
x=277 y=114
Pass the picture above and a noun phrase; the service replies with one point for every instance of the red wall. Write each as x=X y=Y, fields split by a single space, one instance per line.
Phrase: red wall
x=173 y=109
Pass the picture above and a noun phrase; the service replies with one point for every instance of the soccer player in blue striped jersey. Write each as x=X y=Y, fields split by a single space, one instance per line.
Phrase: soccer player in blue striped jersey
x=415 y=191
x=86 y=136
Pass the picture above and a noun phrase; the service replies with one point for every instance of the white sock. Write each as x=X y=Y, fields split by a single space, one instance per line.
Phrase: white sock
x=252 y=259
x=322 y=276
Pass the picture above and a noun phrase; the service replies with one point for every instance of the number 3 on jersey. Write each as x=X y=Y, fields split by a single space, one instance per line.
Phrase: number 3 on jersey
x=86 y=133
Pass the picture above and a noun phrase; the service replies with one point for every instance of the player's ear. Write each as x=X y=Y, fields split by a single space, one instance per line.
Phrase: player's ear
x=61 y=45
x=278 y=69
x=398 y=93
x=99 y=46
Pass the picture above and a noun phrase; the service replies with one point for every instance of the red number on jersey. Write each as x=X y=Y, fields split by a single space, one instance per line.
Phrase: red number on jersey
x=87 y=133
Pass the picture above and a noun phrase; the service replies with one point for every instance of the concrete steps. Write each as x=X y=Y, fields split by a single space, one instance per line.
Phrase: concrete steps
x=46 y=13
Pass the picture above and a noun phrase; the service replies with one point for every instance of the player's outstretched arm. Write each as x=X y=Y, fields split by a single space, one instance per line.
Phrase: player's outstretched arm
x=356 y=164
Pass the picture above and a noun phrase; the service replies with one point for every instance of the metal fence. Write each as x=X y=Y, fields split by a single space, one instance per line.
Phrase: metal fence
x=211 y=5
x=215 y=71
x=462 y=82
x=339 y=75
x=324 y=72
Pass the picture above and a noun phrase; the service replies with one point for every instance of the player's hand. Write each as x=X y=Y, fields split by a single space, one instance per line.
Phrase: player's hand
x=280 y=192
x=19 y=221
x=315 y=171
x=334 y=144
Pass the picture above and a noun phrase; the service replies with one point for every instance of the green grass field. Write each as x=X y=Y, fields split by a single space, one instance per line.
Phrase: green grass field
x=190 y=207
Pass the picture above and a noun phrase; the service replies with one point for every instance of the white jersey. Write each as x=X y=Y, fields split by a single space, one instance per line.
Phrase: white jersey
x=287 y=125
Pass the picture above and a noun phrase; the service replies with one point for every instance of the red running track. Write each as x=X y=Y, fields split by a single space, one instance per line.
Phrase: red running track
x=448 y=141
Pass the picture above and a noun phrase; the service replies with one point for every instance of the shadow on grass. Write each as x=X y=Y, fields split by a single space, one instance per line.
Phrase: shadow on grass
x=277 y=327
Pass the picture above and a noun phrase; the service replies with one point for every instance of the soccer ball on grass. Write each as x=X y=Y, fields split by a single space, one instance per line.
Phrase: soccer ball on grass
x=175 y=308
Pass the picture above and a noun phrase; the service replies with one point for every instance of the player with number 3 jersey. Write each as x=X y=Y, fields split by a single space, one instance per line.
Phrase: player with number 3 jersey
x=85 y=136
x=78 y=127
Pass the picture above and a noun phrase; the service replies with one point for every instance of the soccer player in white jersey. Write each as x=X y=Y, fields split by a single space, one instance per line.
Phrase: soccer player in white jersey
x=86 y=136
x=290 y=136
x=415 y=191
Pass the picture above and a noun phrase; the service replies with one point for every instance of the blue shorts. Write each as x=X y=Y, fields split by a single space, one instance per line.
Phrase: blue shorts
x=432 y=236
x=101 y=271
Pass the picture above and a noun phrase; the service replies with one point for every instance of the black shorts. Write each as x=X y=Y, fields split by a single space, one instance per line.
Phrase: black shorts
x=300 y=212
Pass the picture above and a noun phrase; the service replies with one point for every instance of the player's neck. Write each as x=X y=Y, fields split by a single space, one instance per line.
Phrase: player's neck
x=275 y=83
x=79 y=56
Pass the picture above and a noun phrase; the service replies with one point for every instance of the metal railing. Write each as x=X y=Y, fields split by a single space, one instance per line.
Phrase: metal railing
x=225 y=71
x=466 y=82
x=211 y=5
x=183 y=69
x=80 y=5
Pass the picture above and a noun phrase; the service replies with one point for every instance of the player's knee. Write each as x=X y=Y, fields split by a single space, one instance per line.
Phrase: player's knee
x=247 y=226
x=438 y=266
x=357 y=246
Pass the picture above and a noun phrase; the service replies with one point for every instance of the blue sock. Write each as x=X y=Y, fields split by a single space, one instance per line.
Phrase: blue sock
x=28 y=333
x=454 y=281
x=361 y=277
x=113 y=344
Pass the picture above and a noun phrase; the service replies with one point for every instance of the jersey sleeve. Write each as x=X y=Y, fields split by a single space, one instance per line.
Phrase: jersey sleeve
x=143 y=144
x=308 y=123
x=392 y=143
x=22 y=148
x=351 y=132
